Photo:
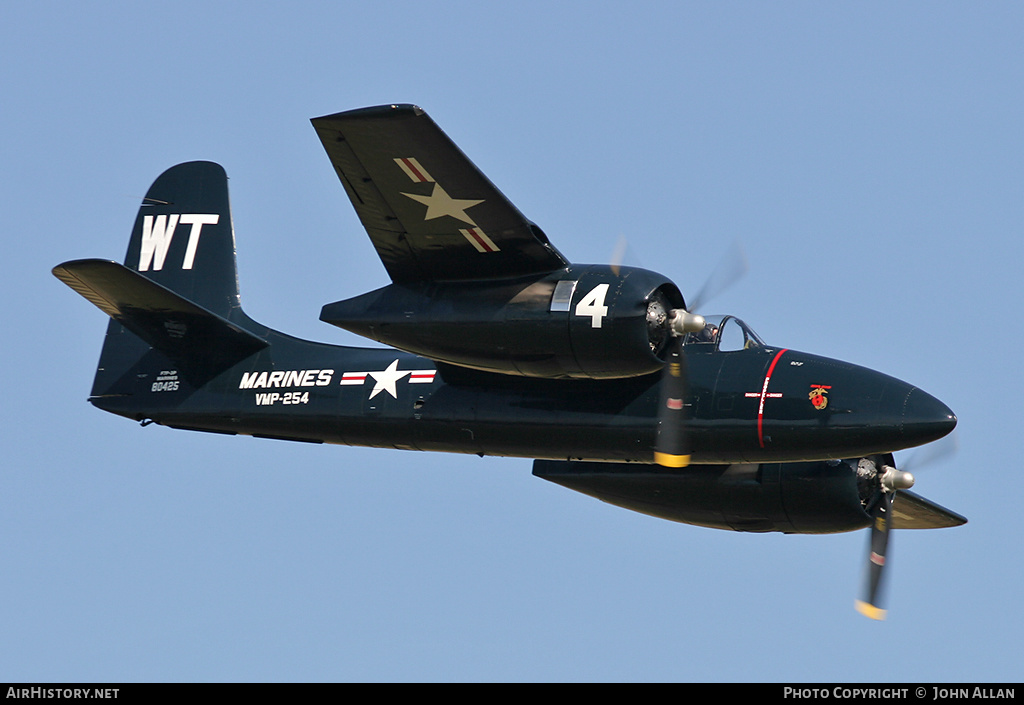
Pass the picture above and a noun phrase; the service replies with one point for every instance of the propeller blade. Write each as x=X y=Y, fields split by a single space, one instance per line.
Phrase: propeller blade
x=730 y=270
x=672 y=445
x=890 y=481
x=870 y=605
x=619 y=255
x=927 y=454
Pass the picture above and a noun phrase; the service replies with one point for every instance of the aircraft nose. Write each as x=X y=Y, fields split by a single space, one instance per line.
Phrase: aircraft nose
x=925 y=418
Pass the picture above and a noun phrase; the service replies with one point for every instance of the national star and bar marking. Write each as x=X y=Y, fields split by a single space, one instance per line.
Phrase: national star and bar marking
x=387 y=379
x=439 y=204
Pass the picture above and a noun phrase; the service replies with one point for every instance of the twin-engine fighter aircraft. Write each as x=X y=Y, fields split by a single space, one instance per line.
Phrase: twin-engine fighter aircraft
x=501 y=346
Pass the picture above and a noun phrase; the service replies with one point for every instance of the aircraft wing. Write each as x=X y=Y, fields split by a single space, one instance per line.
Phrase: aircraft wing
x=431 y=214
x=912 y=511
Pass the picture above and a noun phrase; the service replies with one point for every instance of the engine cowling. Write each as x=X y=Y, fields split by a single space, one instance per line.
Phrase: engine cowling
x=586 y=321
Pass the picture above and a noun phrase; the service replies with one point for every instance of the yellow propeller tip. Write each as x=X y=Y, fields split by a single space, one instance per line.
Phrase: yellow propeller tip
x=870 y=610
x=671 y=461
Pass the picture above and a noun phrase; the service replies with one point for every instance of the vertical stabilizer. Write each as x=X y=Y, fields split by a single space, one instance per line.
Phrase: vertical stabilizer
x=183 y=241
x=183 y=238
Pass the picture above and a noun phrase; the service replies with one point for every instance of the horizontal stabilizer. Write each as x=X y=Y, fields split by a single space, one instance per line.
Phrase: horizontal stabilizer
x=912 y=511
x=198 y=341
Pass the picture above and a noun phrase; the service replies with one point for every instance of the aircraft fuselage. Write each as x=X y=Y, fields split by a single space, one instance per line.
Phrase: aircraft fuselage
x=765 y=404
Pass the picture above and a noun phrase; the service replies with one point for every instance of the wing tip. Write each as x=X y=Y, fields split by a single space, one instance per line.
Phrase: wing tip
x=391 y=110
x=916 y=512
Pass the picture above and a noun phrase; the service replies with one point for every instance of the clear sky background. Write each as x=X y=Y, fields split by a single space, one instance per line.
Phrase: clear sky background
x=868 y=156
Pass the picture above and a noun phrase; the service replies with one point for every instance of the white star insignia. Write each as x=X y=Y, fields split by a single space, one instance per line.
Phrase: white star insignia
x=386 y=380
x=439 y=203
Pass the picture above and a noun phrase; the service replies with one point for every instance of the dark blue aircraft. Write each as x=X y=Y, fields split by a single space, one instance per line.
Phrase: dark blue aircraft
x=500 y=346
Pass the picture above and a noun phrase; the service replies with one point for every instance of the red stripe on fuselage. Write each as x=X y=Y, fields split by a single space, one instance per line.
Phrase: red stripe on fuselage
x=764 y=393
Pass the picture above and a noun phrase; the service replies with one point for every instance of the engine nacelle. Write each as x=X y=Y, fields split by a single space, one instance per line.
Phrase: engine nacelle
x=803 y=498
x=586 y=321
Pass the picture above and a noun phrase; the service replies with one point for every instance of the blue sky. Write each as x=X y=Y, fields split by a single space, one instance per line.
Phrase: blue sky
x=867 y=155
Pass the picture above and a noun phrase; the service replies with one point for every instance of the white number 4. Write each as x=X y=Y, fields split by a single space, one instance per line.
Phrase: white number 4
x=593 y=305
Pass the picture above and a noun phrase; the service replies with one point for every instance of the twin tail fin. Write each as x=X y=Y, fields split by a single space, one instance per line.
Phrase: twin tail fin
x=177 y=291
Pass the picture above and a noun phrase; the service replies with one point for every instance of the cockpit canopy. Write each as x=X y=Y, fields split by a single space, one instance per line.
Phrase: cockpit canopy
x=725 y=334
